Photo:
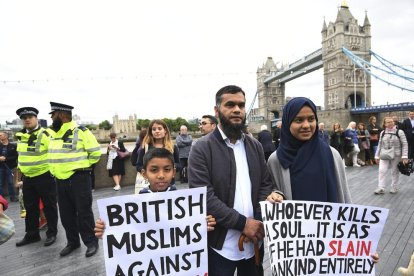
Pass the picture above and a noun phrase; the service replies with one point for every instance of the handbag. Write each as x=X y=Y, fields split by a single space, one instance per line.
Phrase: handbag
x=387 y=154
x=348 y=146
x=7 y=228
x=123 y=154
x=373 y=137
x=140 y=183
x=364 y=145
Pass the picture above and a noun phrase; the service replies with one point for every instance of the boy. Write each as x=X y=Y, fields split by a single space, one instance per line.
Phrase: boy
x=159 y=169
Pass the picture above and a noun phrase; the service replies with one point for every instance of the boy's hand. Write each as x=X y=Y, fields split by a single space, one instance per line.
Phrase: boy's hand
x=99 y=228
x=1 y=208
x=211 y=222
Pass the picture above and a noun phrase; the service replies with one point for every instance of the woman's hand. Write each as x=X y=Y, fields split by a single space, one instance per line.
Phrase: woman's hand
x=274 y=197
x=375 y=257
x=211 y=222
x=405 y=161
x=99 y=228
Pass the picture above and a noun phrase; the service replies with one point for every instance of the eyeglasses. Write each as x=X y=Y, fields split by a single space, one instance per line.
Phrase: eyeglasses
x=204 y=123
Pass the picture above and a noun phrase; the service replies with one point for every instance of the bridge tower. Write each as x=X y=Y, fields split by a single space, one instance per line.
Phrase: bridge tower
x=271 y=96
x=343 y=83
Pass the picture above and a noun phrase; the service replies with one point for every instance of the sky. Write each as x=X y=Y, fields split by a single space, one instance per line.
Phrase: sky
x=167 y=59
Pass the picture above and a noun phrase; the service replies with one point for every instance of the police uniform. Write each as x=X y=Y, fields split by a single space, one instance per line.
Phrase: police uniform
x=32 y=147
x=72 y=152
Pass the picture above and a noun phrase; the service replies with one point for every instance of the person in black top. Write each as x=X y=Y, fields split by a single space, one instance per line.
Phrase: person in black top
x=8 y=162
x=408 y=128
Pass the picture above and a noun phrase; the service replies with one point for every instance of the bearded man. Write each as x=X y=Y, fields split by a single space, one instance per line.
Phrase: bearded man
x=232 y=166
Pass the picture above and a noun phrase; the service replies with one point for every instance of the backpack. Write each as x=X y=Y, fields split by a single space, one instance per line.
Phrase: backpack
x=134 y=155
x=396 y=134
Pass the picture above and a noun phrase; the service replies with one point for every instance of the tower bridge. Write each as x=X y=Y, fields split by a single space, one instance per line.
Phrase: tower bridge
x=347 y=89
x=298 y=68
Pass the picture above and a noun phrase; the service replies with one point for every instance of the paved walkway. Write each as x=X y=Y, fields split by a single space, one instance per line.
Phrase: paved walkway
x=395 y=248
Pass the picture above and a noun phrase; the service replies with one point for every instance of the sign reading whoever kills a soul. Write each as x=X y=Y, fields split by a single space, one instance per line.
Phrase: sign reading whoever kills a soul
x=156 y=234
x=318 y=238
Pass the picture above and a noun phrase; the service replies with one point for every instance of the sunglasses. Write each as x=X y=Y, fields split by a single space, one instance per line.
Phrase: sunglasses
x=204 y=123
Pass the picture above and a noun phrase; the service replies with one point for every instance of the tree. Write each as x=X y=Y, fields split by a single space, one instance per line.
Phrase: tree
x=90 y=126
x=143 y=123
x=105 y=125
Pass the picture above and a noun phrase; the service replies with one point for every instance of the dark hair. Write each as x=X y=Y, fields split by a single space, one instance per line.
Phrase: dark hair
x=112 y=135
x=229 y=89
x=212 y=119
x=157 y=153
x=142 y=134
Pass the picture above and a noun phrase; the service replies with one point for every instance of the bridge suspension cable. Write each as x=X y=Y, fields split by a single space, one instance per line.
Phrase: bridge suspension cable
x=381 y=73
x=252 y=104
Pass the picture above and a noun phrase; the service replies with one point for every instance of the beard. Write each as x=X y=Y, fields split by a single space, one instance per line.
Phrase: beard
x=57 y=124
x=232 y=131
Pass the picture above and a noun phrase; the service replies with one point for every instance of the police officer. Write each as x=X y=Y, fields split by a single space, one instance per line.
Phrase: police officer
x=33 y=142
x=72 y=152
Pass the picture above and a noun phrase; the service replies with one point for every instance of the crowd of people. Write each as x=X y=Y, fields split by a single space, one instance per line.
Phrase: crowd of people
x=300 y=160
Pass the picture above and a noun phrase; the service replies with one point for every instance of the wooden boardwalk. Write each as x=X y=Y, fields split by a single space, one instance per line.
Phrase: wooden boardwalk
x=395 y=247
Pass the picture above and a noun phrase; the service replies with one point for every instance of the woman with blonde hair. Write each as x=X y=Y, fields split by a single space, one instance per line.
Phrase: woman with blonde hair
x=351 y=136
x=392 y=148
x=158 y=136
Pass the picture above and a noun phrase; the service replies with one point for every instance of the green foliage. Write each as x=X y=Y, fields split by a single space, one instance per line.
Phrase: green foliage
x=143 y=123
x=105 y=125
x=91 y=126
x=173 y=124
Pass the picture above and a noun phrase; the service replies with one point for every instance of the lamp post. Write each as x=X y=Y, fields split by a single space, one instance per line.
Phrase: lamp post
x=365 y=87
x=354 y=86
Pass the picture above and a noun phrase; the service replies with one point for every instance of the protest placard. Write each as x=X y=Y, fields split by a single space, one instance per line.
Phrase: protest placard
x=319 y=238
x=156 y=233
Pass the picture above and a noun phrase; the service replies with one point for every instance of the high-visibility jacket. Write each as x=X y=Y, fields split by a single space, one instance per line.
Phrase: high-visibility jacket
x=73 y=147
x=32 y=149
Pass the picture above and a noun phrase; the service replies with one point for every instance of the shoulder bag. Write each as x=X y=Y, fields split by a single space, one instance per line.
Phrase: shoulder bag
x=7 y=229
x=123 y=154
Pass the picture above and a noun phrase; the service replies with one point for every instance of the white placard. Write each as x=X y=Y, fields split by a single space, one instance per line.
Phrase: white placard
x=156 y=234
x=319 y=238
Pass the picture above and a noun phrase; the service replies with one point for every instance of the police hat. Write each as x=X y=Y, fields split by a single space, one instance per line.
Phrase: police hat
x=31 y=111
x=60 y=107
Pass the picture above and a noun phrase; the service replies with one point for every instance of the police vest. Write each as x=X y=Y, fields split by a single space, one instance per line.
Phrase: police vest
x=32 y=149
x=72 y=148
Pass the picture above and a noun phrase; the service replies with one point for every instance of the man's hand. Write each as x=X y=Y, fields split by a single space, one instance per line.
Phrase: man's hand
x=254 y=230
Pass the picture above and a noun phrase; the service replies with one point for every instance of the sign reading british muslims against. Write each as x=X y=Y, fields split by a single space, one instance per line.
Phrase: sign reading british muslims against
x=319 y=238
x=156 y=233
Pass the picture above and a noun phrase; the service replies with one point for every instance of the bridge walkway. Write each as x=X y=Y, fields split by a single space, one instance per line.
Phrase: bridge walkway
x=395 y=247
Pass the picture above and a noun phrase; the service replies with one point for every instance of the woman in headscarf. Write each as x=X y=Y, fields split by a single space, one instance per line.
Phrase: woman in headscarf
x=304 y=167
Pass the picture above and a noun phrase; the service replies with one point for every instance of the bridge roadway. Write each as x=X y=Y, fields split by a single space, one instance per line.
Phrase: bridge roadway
x=395 y=247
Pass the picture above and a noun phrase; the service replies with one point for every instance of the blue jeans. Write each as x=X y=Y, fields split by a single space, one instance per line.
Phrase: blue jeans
x=6 y=173
x=220 y=266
